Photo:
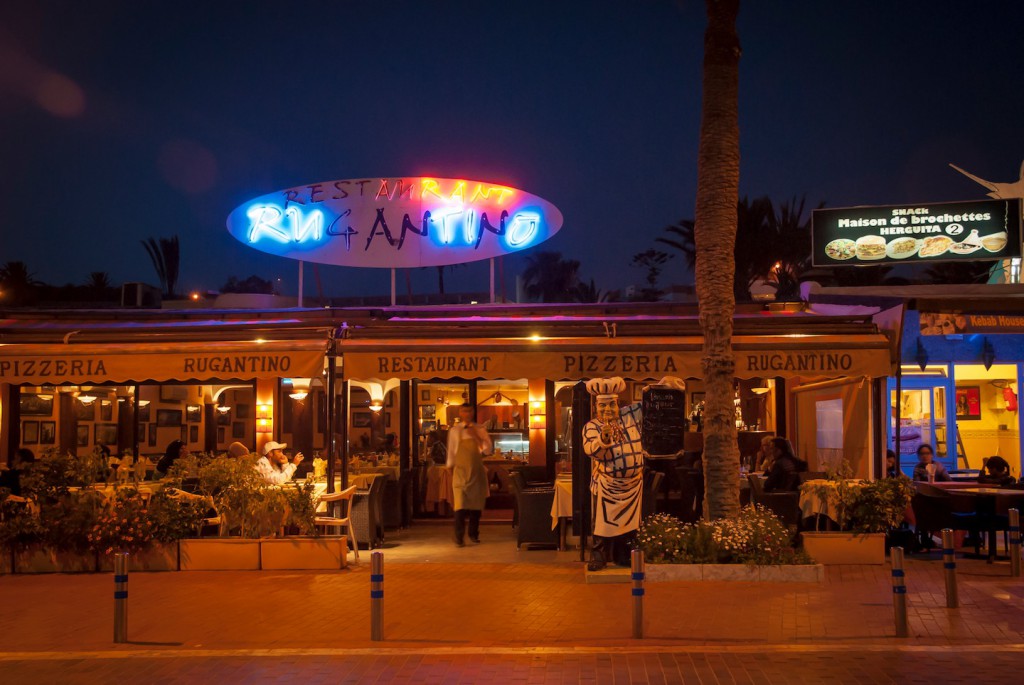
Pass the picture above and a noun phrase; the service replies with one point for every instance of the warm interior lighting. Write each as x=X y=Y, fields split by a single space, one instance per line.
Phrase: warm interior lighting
x=538 y=415
x=300 y=388
x=264 y=418
x=760 y=391
x=45 y=398
x=87 y=399
x=376 y=405
x=223 y=409
x=143 y=403
x=194 y=296
x=298 y=396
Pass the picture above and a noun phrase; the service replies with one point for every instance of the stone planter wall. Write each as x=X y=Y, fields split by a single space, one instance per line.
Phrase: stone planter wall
x=44 y=560
x=219 y=554
x=156 y=558
x=303 y=553
x=813 y=573
x=845 y=548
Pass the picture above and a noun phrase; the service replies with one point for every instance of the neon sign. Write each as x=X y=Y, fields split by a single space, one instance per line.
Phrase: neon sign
x=395 y=222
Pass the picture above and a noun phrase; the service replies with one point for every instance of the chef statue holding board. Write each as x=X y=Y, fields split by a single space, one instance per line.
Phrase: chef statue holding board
x=612 y=441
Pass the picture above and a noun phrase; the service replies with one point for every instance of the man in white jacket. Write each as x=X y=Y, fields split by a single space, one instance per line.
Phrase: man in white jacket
x=274 y=465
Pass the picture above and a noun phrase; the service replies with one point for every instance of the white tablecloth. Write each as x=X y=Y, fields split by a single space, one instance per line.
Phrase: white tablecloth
x=561 y=507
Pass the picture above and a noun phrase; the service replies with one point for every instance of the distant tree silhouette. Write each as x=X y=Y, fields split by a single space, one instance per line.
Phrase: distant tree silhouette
x=17 y=284
x=252 y=284
x=166 y=257
x=550 y=278
x=588 y=292
x=653 y=261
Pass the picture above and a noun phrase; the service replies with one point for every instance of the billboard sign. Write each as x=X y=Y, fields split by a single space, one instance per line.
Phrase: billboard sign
x=950 y=231
x=397 y=222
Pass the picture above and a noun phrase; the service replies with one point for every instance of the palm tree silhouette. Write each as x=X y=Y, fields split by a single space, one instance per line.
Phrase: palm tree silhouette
x=588 y=292
x=17 y=283
x=550 y=278
x=98 y=280
x=166 y=258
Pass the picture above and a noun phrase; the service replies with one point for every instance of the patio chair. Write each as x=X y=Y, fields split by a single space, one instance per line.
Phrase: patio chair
x=366 y=513
x=691 y=494
x=784 y=504
x=652 y=485
x=333 y=520
x=213 y=519
x=936 y=509
x=533 y=508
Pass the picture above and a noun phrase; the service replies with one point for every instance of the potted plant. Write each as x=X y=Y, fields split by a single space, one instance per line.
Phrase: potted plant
x=20 y=529
x=307 y=549
x=756 y=545
x=863 y=512
x=63 y=545
x=239 y=495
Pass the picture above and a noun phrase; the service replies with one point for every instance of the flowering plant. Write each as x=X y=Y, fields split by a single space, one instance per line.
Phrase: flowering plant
x=756 y=536
x=123 y=525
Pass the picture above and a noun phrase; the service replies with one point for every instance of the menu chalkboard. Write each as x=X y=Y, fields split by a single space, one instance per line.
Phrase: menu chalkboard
x=665 y=423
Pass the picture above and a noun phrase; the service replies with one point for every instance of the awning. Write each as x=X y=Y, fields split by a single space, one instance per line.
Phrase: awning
x=140 y=362
x=783 y=356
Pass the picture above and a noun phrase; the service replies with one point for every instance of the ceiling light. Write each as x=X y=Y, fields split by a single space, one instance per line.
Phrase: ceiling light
x=223 y=408
x=298 y=396
x=376 y=405
x=86 y=399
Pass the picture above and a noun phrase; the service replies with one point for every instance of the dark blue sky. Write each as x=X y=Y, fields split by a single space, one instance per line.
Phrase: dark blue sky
x=120 y=121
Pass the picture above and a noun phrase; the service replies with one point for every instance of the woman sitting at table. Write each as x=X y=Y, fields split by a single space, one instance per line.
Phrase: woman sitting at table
x=927 y=469
x=996 y=471
x=175 y=451
x=784 y=474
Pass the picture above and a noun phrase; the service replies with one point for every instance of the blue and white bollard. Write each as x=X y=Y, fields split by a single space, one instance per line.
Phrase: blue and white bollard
x=1014 y=543
x=121 y=597
x=949 y=565
x=638 y=576
x=899 y=591
x=377 y=596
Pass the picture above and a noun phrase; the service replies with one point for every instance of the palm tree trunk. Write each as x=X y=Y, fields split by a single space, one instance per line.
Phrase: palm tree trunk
x=718 y=177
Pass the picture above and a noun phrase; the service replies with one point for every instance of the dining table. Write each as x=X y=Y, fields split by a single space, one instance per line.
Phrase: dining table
x=987 y=501
x=561 y=507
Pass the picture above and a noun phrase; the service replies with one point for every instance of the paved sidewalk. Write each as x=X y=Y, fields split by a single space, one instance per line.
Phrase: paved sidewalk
x=496 y=605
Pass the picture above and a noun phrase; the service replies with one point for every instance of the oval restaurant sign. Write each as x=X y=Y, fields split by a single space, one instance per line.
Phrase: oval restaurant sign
x=395 y=222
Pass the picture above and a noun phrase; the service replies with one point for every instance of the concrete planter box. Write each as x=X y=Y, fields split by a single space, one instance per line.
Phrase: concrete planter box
x=813 y=573
x=302 y=553
x=845 y=548
x=156 y=558
x=45 y=560
x=219 y=554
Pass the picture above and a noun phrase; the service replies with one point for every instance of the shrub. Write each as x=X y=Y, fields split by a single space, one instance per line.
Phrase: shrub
x=123 y=524
x=174 y=518
x=756 y=536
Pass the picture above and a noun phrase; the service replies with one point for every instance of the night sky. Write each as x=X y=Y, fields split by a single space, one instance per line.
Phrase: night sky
x=121 y=121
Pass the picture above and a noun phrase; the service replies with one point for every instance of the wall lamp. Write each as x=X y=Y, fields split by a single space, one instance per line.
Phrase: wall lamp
x=264 y=418
x=538 y=414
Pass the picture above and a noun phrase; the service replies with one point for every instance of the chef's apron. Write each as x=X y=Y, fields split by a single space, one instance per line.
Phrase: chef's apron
x=469 y=477
x=616 y=504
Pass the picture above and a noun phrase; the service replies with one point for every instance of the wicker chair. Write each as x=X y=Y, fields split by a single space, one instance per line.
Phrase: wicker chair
x=533 y=507
x=365 y=514
x=336 y=520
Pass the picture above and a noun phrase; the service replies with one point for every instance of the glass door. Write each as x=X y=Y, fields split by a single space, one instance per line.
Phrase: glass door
x=923 y=412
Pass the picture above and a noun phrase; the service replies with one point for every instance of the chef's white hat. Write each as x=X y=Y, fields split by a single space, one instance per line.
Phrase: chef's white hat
x=604 y=387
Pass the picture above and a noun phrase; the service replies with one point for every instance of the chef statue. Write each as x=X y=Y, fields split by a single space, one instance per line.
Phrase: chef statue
x=612 y=441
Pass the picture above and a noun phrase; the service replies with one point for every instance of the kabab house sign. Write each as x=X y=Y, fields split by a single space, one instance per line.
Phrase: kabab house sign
x=395 y=222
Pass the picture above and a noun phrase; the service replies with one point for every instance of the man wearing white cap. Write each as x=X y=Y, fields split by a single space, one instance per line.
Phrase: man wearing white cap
x=274 y=465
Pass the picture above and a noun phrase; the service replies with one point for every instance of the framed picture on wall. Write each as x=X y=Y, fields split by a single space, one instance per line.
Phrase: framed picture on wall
x=223 y=417
x=106 y=410
x=30 y=432
x=47 y=432
x=222 y=434
x=389 y=399
x=106 y=433
x=83 y=411
x=428 y=411
x=238 y=430
x=425 y=395
x=193 y=413
x=168 y=417
x=142 y=434
x=241 y=411
x=82 y=436
x=387 y=419
x=173 y=393
x=360 y=419
x=152 y=435
x=427 y=426
x=143 y=412
x=968 y=403
x=193 y=434
x=35 y=405
x=184 y=433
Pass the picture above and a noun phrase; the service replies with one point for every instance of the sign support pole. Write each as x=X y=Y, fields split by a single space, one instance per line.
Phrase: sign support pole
x=491 y=262
x=300 y=283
